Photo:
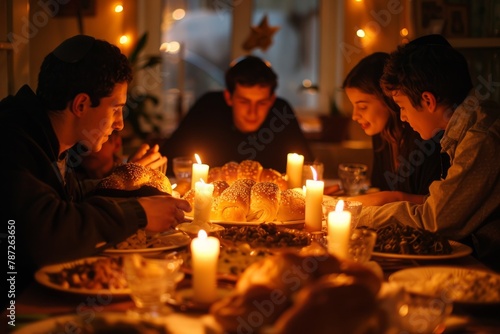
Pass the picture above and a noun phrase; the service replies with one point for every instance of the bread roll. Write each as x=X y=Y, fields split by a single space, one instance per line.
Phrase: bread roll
x=132 y=176
x=271 y=175
x=249 y=169
x=233 y=203
x=264 y=202
x=229 y=172
x=333 y=304
x=234 y=313
x=292 y=206
x=214 y=174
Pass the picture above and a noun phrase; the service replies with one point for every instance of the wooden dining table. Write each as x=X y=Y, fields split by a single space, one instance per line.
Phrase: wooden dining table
x=40 y=303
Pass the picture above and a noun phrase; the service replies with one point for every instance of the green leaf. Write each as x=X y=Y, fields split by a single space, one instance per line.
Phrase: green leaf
x=138 y=48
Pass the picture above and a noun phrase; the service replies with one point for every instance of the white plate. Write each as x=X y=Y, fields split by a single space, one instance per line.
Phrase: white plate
x=41 y=276
x=171 y=241
x=432 y=280
x=457 y=250
x=61 y=323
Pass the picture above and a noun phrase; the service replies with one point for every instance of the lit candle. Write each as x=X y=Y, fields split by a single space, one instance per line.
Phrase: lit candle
x=339 y=229
x=200 y=171
x=202 y=202
x=294 y=170
x=205 y=254
x=314 y=199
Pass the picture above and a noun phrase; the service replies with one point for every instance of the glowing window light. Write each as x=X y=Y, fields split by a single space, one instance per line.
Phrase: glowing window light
x=360 y=33
x=124 y=39
x=118 y=8
x=404 y=32
x=178 y=14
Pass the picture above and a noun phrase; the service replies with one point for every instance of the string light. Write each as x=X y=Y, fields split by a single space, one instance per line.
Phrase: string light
x=360 y=33
x=178 y=14
x=403 y=32
x=124 y=39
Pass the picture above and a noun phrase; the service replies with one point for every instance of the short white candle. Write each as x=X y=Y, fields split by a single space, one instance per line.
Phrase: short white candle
x=205 y=254
x=314 y=199
x=339 y=230
x=200 y=171
x=294 y=170
x=202 y=202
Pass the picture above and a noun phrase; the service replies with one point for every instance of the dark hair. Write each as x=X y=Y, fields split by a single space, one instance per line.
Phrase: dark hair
x=365 y=76
x=81 y=64
x=435 y=68
x=250 y=71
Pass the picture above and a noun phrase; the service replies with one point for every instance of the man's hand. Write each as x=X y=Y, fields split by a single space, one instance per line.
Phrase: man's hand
x=163 y=212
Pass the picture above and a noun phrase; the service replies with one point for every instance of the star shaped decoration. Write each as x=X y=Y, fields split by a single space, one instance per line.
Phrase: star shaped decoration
x=260 y=36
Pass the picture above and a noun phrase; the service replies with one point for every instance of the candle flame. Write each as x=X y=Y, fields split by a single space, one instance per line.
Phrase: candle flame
x=174 y=185
x=197 y=157
x=202 y=234
x=340 y=206
x=201 y=180
x=315 y=174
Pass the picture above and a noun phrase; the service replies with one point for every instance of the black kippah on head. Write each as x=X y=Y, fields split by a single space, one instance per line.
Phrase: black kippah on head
x=74 y=48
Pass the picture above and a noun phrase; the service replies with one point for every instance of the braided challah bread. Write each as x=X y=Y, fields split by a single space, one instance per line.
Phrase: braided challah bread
x=247 y=169
x=247 y=200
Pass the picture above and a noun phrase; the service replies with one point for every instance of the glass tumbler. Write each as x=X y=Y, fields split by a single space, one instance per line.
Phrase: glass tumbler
x=151 y=282
x=353 y=177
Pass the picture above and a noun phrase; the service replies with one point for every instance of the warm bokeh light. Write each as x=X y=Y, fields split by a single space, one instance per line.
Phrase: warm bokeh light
x=360 y=33
x=124 y=39
x=170 y=47
x=178 y=14
x=118 y=8
x=403 y=32
x=306 y=83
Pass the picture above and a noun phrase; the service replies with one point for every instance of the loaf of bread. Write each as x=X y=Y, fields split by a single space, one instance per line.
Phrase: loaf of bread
x=271 y=175
x=229 y=172
x=247 y=169
x=292 y=206
x=335 y=303
x=132 y=176
x=233 y=203
x=247 y=200
x=315 y=286
x=264 y=202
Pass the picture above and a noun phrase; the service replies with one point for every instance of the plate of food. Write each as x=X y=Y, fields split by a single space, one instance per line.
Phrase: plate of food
x=88 y=276
x=103 y=322
x=406 y=242
x=144 y=242
x=233 y=260
x=460 y=285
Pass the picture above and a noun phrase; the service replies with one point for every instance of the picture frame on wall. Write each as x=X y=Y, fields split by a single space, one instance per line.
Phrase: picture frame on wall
x=457 y=21
x=430 y=17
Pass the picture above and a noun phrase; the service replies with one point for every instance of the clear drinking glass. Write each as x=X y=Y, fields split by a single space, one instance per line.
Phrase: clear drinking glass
x=354 y=207
x=182 y=168
x=353 y=177
x=152 y=282
x=361 y=244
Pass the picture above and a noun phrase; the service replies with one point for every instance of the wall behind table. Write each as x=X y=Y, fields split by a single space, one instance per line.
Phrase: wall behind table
x=48 y=29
